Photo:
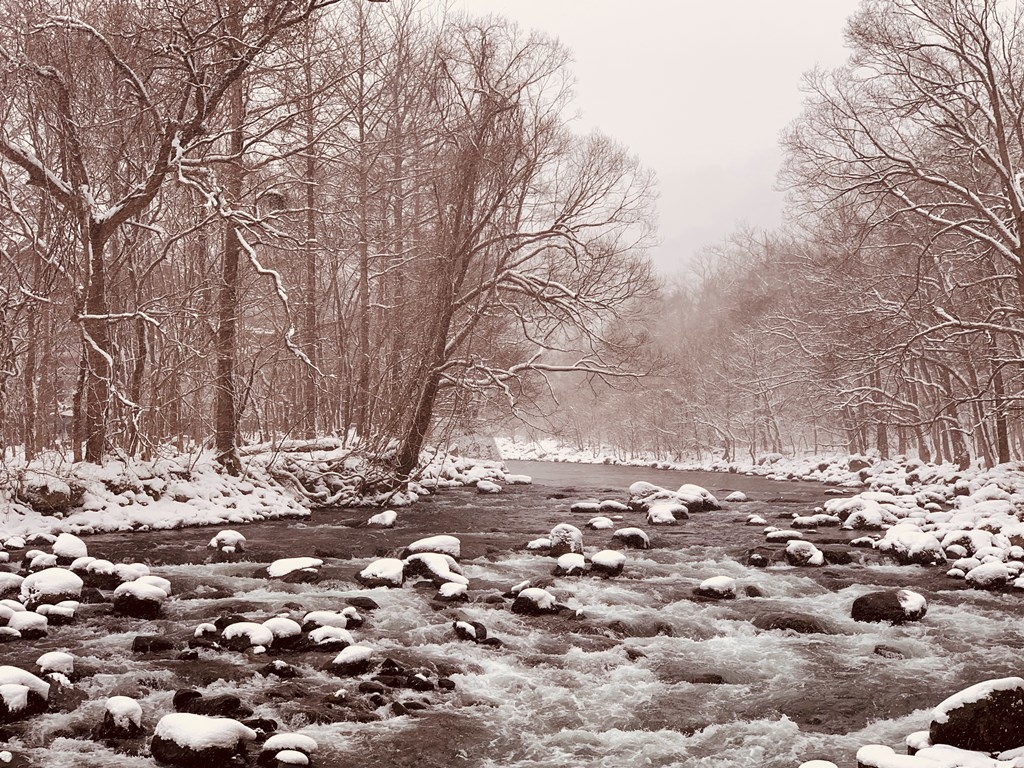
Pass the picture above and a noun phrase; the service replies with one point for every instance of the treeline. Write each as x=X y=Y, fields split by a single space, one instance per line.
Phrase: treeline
x=889 y=315
x=262 y=220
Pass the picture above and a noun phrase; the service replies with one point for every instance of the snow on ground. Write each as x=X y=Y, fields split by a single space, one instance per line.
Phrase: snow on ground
x=278 y=481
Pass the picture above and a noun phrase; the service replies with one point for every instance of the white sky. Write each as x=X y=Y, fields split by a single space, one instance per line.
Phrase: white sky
x=699 y=89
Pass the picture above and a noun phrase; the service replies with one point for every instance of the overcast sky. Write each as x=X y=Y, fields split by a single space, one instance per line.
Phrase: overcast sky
x=700 y=90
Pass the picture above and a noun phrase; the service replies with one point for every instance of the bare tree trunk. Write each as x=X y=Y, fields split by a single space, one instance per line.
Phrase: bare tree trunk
x=96 y=337
x=226 y=407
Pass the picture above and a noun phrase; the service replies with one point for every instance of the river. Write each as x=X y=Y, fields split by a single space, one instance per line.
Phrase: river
x=637 y=672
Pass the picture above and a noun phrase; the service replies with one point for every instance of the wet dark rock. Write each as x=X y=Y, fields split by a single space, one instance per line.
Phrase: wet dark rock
x=792 y=622
x=752 y=590
x=127 y=604
x=642 y=628
x=706 y=678
x=264 y=726
x=993 y=723
x=888 y=652
x=446 y=684
x=221 y=705
x=302 y=576
x=52 y=500
x=151 y=644
x=895 y=605
x=470 y=630
x=223 y=622
x=371 y=686
x=91 y=596
x=35 y=704
x=110 y=730
x=835 y=556
x=281 y=669
x=760 y=557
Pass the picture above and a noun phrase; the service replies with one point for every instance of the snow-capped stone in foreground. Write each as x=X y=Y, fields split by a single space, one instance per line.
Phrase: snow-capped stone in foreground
x=443 y=545
x=247 y=634
x=632 y=537
x=600 y=523
x=736 y=497
x=566 y=539
x=666 y=513
x=315 y=619
x=608 y=562
x=354 y=660
x=228 y=541
x=985 y=717
x=56 y=661
x=68 y=548
x=281 y=568
x=717 y=588
x=139 y=599
x=895 y=606
x=994 y=575
x=122 y=719
x=911 y=545
x=53 y=585
x=289 y=745
x=331 y=637
x=537 y=544
x=384 y=572
x=804 y=553
x=185 y=739
x=385 y=519
x=533 y=601
x=438 y=568
x=571 y=564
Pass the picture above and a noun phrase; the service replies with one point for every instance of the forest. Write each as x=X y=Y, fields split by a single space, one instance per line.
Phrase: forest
x=257 y=221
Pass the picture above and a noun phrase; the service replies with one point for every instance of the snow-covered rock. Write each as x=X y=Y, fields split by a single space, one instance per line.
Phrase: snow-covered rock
x=487 y=487
x=29 y=624
x=354 y=660
x=122 y=719
x=292 y=745
x=438 y=568
x=228 y=541
x=285 y=631
x=607 y=562
x=53 y=585
x=315 y=619
x=534 y=601
x=67 y=548
x=586 y=507
x=56 y=661
x=992 y=575
x=634 y=538
x=666 y=513
x=985 y=717
x=247 y=634
x=895 y=606
x=197 y=741
x=911 y=545
x=293 y=566
x=600 y=523
x=139 y=600
x=566 y=539
x=331 y=637
x=804 y=553
x=442 y=545
x=736 y=497
x=717 y=588
x=571 y=564
x=385 y=519
x=384 y=572
x=538 y=544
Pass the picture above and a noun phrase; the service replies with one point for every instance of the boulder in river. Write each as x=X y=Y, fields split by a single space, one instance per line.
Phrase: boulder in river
x=792 y=622
x=607 y=562
x=897 y=606
x=195 y=741
x=987 y=717
x=534 y=601
x=804 y=553
x=139 y=600
x=566 y=539
x=634 y=538
x=717 y=588
x=122 y=719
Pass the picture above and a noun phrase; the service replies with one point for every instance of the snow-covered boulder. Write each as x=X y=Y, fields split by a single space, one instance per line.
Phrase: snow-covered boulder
x=897 y=606
x=48 y=494
x=29 y=624
x=992 y=575
x=804 y=553
x=586 y=507
x=910 y=545
x=736 y=497
x=566 y=539
x=197 y=741
x=139 y=600
x=10 y=584
x=986 y=717
x=331 y=638
x=22 y=694
x=295 y=569
x=286 y=631
x=607 y=562
x=487 y=487
x=534 y=601
x=635 y=538
x=717 y=588
x=439 y=568
x=385 y=572
x=609 y=506
x=314 y=619
x=354 y=660
x=697 y=499
x=442 y=545
x=53 y=585
x=600 y=523
x=775 y=535
x=247 y=634
x=385 y=519
x=536 y=545
x=122 y=719
x=56 y=661
x=666 y=513
x=571 y=564
x=228 y=542
x=68 y=548
x=287 y=749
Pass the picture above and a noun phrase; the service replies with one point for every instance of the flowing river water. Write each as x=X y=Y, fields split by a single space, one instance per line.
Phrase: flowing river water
x=638 y=672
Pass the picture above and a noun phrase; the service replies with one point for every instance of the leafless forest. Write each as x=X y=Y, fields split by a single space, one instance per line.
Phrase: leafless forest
x=251 y=221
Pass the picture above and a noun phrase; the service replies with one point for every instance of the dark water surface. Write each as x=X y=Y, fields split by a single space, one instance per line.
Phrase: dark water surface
x=637 y=671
